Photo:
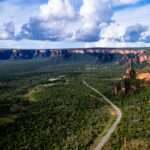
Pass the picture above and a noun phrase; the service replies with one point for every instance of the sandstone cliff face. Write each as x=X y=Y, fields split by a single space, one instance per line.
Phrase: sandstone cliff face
x=144 y=58
x=101 y=54
x=143 y=76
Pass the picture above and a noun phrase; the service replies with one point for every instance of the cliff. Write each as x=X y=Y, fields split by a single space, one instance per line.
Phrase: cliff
x=101 y=54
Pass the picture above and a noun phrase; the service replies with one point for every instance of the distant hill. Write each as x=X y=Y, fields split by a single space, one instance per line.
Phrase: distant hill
x=100 y=54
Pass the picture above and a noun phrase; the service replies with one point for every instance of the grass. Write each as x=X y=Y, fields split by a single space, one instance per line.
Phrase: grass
x=7 y=120
x=133 y=132
x=68 y=116
x=64 y=116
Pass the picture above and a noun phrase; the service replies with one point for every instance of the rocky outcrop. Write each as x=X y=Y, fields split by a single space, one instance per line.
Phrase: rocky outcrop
x=101 y=54
x=144 y=57
x=145 y=76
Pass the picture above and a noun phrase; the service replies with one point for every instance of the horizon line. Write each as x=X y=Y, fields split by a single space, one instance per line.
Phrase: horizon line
x=75 y=48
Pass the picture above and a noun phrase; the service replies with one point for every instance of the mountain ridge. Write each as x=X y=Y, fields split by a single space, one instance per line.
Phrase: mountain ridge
x=102 y=54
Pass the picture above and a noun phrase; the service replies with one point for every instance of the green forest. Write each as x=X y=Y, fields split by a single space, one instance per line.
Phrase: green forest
x=37 y=113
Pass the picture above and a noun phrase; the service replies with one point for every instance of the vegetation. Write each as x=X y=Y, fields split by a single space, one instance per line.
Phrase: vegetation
x=62 y=116
x=37 y=113
x=133 y=132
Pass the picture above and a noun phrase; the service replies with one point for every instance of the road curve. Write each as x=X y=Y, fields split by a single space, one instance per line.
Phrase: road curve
x=108 y=134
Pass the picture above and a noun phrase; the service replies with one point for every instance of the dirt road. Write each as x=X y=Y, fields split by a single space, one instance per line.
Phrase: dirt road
x=108 y=134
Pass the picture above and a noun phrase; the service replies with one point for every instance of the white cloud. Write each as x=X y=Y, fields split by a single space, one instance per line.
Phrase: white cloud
x=124 y=19
x=93 y=14
x=125 y=2
x=90 y=23
x=57 y=9
x=131 y=16
x=60 y=18
x=96 y=10
x=35 y=44
x=19 y=14
x=112 y=31
x=112 y=43
x=7 y=31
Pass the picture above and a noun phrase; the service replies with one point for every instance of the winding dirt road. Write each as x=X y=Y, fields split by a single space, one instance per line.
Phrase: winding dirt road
x=108 y=134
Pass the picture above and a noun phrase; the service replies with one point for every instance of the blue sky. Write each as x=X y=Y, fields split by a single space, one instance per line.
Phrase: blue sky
x=74 y=23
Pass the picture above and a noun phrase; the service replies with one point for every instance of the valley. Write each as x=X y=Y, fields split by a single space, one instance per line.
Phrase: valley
x=44 y=104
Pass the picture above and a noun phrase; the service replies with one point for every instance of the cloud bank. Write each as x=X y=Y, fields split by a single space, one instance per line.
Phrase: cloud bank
x=58 y=20
x=89 y=21
x=7 y=31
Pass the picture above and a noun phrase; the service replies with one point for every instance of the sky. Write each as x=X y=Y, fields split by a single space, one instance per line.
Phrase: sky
x=74 y=23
